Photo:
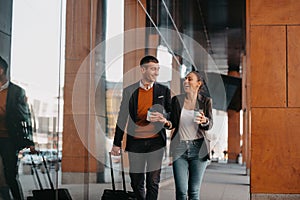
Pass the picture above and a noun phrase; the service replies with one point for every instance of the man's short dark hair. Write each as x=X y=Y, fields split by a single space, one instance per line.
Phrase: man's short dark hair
x=148 y=59
x=3 y=64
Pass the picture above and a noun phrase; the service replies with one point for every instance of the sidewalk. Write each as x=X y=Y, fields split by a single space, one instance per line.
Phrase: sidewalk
x=221 y=182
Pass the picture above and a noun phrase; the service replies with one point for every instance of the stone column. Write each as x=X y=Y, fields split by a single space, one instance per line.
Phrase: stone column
x=273 y=40
x=78 y=164
x=234 y=136
x=135 y=39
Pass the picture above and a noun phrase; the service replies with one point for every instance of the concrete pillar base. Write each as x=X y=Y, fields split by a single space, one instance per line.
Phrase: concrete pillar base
x=275 y=196
x=232 y=161
x=78 y=178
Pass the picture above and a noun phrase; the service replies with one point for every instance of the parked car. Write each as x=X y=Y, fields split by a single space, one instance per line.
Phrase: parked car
x=51 y=155
x=26 y=159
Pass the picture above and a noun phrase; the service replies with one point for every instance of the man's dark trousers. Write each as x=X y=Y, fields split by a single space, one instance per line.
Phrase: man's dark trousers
x=146 y=163
x=10 y=159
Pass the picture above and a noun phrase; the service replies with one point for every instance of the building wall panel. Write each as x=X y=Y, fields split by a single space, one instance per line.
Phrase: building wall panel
x=273 y=69
x=293 y=66
x=275 y=165
x=268 y=66
x=274 y=12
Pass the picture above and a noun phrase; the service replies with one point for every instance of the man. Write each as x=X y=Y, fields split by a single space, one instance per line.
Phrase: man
x=146 y=139
x=15 y=132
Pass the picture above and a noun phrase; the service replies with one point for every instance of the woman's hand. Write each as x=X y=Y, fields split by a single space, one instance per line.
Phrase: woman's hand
x=201 y=119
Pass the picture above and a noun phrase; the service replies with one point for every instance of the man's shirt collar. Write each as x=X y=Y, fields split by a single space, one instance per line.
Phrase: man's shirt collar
x=146 y=87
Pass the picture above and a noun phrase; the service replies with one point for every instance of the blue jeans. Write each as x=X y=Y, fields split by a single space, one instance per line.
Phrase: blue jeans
x=188 y=169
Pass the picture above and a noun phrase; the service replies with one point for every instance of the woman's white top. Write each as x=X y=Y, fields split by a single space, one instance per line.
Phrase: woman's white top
x=187 y=127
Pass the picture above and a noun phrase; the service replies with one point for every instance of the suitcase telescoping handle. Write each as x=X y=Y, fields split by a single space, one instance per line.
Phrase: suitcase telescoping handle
x=122 y=168
x=36 y=174
x=47 y=171
x=112 y=172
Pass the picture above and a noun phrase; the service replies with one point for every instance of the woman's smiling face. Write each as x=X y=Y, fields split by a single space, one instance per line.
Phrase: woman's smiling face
x=191 y=83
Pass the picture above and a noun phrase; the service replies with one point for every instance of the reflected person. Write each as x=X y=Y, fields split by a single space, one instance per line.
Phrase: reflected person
x=14 y=112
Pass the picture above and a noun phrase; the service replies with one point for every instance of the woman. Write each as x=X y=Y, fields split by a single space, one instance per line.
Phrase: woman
x=191 y=116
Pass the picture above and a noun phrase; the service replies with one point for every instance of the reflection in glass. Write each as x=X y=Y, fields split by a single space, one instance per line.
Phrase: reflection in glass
x=37 y=65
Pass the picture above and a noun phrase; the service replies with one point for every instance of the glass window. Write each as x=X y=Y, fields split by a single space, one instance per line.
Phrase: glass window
x=37 y=65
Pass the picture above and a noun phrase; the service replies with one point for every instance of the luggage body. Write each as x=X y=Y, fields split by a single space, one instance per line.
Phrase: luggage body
x=113 y=194
x=49 y=193
x=109 y=194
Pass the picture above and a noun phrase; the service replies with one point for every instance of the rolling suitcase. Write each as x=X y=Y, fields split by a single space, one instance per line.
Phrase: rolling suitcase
x=48 y=194
x=112 y=194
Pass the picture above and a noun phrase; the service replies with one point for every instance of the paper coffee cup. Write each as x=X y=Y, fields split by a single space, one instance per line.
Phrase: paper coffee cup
x=197 y=113
x=148 y=115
